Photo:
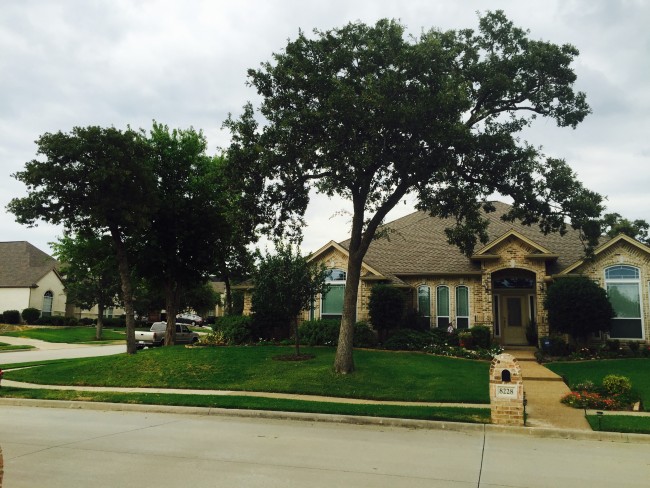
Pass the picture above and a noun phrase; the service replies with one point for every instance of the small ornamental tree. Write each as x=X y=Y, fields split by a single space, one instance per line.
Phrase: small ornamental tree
x=285 y=285
x=579 y=307
x=386 y=307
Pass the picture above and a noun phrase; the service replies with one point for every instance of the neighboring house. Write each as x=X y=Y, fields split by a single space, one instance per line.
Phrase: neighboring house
x=220 y=288
x=502 y=285
x=29 y=278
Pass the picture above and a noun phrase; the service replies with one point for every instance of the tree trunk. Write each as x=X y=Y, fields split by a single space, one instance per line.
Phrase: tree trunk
x=100 y=321
x=344 y=362
x=294 y=321
x=127 y=289
x=228 y=301
x=171 y=307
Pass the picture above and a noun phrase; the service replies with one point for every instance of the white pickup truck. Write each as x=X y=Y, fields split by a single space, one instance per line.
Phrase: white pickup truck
x=156 y=335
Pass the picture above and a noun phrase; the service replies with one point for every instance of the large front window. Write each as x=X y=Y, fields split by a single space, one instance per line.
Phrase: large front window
x=424 y=301
x=623 y=289
x=332 y=300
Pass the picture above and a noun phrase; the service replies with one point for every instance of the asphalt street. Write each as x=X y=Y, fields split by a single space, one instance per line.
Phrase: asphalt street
x=49 y=350
x=53 y=447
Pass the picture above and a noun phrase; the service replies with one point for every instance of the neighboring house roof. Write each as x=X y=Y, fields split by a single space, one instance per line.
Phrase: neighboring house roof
x=417 y=244
x=23 y=265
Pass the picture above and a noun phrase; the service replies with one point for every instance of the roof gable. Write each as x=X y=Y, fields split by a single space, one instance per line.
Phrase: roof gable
x=22 y=265
x=511 y=233
x=607 y=245
x=334 y=245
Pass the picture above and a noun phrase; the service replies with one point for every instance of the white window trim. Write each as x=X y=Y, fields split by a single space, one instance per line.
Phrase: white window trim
x=636 y=281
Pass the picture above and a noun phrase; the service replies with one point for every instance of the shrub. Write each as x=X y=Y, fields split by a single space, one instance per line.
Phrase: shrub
x=320 y=332
x=579 y=307
x=482 y=336
x=414 y=321
x=113 y=322
x=236 y=329
x=555 y=346
x=364 y=336
x=617 y=385
x=408 y=340
x=386 y=307
x=70 y=321
x=213 y=338
x=531 y=333
x=466 y=339
x=613 y=345
x=30 y=315
x=87 y=321
x=11 y=317
x=634 y=346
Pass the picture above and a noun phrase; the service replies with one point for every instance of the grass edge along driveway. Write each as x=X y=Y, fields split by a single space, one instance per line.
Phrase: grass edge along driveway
x=380 y=375
x=69 y=335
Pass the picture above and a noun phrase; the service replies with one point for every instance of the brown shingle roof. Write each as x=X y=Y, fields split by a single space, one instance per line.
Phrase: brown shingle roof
x=22 y=265
x=417 y=243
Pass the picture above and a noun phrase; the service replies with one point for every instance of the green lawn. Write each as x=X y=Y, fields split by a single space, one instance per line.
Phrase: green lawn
x=8 y=347
x=379 y=375
x=453 y=414
x=620 y=423
x=68 y=335
x=638 y=370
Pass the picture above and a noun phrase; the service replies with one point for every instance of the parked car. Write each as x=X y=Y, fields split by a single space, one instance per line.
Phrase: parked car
x=189 y=318
x=155 y=337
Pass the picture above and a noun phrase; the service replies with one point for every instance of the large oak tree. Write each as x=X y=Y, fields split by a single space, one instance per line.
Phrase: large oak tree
x=92 y=180
x=371 y=114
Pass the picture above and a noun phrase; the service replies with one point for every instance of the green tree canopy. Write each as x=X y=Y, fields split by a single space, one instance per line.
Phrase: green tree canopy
x=614 y=224
x=371 y=114
x=179 y=249
x=92 y=180
x=90 y=272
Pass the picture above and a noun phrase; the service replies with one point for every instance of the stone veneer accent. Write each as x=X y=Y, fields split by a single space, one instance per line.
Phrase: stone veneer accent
x=506 y=409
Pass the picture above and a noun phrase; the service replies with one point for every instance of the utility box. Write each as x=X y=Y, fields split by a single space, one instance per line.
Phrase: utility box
x=506 y=391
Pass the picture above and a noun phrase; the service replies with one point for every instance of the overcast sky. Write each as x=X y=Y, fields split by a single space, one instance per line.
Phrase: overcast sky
x=183 y=63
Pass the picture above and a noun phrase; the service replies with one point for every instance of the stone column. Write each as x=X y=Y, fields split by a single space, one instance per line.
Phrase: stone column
x=506 y=391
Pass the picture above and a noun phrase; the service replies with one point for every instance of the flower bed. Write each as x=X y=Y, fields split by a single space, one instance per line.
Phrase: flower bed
x=615 y=393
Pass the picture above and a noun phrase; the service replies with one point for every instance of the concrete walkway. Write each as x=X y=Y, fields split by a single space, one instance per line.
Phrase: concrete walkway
x=544 y=389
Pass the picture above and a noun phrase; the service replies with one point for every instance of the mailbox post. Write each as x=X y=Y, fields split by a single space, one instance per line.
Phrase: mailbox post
x=506 y=391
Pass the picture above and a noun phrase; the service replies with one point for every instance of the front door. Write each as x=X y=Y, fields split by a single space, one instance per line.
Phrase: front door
x=513 y=320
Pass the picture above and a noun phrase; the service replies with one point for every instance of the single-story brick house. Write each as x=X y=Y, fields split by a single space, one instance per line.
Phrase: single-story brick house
x=502 y=285
x=30 y=278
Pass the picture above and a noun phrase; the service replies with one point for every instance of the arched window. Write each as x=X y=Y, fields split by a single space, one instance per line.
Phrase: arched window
x=442 y=307
x=48 y=298
x=424 y=301
x=332 y=300
x=462 y=307
x=623 y=286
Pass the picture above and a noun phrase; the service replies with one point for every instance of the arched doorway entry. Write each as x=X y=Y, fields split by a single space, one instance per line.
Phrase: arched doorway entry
x=514 y=300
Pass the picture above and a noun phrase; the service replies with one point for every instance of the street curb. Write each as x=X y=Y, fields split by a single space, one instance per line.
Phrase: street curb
x=338 y=419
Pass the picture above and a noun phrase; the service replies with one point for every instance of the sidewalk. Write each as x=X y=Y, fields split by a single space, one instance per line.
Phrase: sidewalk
x=543 y=390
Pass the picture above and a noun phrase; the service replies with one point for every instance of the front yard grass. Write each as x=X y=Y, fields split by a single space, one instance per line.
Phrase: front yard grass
x=379 y=375
x=9 y=347
x=70 y=335
x=620 y=423
x=638 y=370
x=452 y=414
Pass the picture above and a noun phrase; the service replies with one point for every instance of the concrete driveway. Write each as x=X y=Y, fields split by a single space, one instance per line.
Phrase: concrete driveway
x=56 y=447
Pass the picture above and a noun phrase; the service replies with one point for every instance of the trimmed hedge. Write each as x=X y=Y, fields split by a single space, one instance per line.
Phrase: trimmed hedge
x=11 y=317
x=236 y=329
x=30 y=315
